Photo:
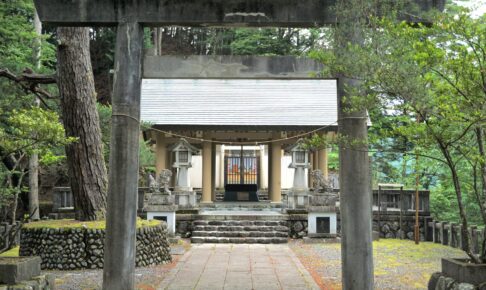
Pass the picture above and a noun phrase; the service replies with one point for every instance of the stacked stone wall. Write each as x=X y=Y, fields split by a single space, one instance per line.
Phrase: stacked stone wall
x=297 y=228
x=82 y=248
x=392 y=230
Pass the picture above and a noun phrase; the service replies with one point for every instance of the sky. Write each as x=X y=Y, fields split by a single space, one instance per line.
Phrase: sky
x=478 y=7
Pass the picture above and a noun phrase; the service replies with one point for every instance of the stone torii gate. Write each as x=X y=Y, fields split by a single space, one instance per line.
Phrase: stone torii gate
x=130 y=16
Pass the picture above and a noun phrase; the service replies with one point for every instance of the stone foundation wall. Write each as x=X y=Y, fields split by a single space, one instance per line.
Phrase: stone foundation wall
x=82 y=248
x=391 y=230
x=297 y=228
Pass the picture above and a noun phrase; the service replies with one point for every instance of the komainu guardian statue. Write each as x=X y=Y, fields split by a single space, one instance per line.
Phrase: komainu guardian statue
x=320 y=184
x=164 y=180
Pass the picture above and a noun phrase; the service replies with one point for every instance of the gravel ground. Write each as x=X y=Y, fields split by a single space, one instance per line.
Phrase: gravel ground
x=146 y=278
x=399 y=264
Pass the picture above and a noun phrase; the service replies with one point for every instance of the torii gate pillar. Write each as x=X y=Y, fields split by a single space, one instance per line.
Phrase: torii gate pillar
x=119 y=260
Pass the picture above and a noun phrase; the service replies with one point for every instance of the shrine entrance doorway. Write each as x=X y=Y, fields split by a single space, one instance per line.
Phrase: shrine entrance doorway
x=242 y=166
x=241 y=173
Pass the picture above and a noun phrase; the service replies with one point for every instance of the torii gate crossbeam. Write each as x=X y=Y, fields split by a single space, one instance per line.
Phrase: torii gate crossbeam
x=130 y=16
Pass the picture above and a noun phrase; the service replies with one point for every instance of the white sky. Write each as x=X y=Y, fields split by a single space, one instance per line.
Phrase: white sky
x=478 y=7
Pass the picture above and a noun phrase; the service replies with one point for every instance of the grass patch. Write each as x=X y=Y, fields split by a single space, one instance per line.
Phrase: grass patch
x=14 y=252
x=73 y=224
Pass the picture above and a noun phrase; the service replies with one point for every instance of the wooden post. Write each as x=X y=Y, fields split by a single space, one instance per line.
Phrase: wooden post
x=445 y=234
x=417 y=205
x=426 y=228
x=322 y=162
x=434 y=232
x=379 y=210
x=474 y=239
x=119 y=261
x=452 y=235
x=275 y=193
x=402 y=233
x=206 y=174
x=213 y=171
x=441 y=232
x=161 y=154
x=459 y=237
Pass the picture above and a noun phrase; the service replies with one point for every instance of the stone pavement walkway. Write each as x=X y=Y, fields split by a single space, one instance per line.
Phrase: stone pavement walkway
x=239 y=266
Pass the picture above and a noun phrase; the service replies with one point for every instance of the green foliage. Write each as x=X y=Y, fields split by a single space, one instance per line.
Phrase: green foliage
x=26 y=132
x=277 y=41
x=34 y=130
x=146 y=155
x=238 y=41
x=17 y=36
x=104 y=112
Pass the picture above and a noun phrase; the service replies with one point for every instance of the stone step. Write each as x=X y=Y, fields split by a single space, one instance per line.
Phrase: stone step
x=239 y=223
x=219 y=196
x=230 y=228
x=227 y=216
x=241 y=234
x=234 y=240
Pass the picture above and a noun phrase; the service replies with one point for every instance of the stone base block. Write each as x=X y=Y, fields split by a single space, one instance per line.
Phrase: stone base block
x=464 y=272
x=298 y=199
x=311 y=240
x=16 y=269
x=375 y=236
x=185 y=199
x=43 y=282
x=321 y=236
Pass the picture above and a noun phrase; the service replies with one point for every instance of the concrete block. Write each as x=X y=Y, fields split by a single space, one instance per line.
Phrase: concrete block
x=312 y=222
x=169 y=217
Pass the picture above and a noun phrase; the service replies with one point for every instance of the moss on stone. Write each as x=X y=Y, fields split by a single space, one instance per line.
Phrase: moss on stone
x=14 y=252
x=73 y=224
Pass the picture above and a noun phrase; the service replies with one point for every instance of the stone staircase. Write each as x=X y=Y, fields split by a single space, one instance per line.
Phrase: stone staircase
x=240 y=228
x=239 y=222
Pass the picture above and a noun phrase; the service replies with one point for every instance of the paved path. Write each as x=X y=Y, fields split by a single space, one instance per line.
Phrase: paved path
x=239 y=266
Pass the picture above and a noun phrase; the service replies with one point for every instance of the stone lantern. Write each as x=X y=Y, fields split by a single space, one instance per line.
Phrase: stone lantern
x=298 y=196
x=185 y=197
x=300 y=162
x=183 y=152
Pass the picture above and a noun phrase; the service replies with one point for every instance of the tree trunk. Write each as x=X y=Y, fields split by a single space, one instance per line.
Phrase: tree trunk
x=34 y=158
x=466 y=239
x=78 y=105
x=482 y=203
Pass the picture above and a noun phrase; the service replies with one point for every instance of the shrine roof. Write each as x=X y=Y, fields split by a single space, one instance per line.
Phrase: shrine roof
x=240 y=102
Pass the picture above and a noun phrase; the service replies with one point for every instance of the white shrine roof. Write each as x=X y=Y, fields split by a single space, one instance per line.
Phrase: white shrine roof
x=239 y=102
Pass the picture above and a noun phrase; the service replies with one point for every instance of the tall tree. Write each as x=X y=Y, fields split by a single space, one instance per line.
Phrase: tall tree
x=34 y=157
x=80 y=117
